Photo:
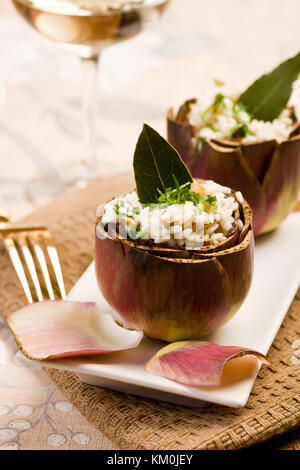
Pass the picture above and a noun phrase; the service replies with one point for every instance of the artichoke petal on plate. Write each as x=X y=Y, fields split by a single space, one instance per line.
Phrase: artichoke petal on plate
x=59 y=328
x=197 y=363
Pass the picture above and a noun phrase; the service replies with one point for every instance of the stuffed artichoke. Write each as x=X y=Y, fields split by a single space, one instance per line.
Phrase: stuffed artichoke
x=248 y=141
x=174 y=258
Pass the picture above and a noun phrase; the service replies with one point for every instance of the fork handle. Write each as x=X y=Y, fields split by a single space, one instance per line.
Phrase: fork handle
x=4 y=219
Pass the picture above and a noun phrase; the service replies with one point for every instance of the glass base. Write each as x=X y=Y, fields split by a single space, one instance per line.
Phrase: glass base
x=43 y=190
x=82 y=175
x=32 y=191
x=20 y=198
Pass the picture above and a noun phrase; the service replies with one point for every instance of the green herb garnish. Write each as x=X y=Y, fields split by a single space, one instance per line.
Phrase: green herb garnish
x=134 y=235
x=121 y=205
x=236 y=112
x=210 y=126
x=211 y=201
x=182 y=193
x=241 y=129
x=219 y=99
x=136 y=210
x=141 y=233
x=213 y=109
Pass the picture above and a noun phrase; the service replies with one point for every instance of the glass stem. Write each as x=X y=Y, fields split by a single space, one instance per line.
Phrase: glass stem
x=89 y=110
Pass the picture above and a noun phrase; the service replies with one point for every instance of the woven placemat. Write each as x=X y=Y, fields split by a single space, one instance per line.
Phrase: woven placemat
x=137 y=423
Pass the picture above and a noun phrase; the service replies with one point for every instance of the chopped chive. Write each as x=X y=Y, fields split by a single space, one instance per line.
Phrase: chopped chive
x=122 y=213
x=176 y=182
x=134 y=235
x=242 y=128
x=217 y=103
x=211 y=201
x=183 y=193
x=141 y=233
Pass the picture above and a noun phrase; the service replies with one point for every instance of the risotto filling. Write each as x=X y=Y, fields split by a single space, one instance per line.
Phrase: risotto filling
x=190 y=216
x=218 y=115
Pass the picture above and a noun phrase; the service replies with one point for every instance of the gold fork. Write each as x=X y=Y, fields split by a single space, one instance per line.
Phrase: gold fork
x=35 y=260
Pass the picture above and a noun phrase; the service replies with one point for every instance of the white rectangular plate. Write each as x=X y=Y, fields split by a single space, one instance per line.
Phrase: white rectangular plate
x=275 y=283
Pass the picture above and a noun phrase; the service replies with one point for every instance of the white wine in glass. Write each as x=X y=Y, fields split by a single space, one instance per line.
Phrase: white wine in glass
x=86 y=27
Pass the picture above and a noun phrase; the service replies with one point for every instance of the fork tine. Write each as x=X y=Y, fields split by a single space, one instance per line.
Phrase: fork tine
x=30 y=265
x=30 y=249
x=43 y=264
x=17 y=264
x=52 y=252
x=57 y=269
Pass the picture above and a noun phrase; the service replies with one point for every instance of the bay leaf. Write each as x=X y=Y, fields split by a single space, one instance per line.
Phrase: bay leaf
x=267 y=96
x=155 y=164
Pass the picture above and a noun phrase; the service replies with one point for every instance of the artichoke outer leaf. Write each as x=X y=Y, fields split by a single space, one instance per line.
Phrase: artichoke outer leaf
x=197 y=363
x=185 y=110
x=146 y=288
x=229 y=167
x=259 y=156
x=282 y=183
x=61 y=328
x=238 y=263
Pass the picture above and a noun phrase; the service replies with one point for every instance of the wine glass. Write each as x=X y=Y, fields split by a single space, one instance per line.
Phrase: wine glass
x=86 y=27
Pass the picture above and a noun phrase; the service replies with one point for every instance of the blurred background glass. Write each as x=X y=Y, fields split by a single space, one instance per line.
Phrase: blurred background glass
x=86 y=27
x=174 y=59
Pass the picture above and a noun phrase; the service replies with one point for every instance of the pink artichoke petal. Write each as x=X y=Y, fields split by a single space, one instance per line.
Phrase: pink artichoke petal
x=228 y=166
x=281 y=184
x=238 y=264
x=196 y=363
x=109 y=255
x=52 y=329
x=164 y=297
x=259 y=156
